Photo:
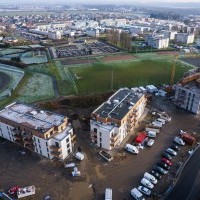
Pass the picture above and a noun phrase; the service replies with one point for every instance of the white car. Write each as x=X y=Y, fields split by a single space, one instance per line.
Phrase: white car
x=179 y=141
x=150 y=177
x=150 y=142
x=144 y=190
x=137 y=194
x=151 y=134
x=171 y=151
x=147 y=183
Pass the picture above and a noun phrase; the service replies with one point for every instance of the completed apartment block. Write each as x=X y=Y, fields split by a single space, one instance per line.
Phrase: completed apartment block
x=46 y=133
x=113 y=120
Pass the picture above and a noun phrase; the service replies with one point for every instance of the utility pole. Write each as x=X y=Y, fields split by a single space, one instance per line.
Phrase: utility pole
x=111 y=87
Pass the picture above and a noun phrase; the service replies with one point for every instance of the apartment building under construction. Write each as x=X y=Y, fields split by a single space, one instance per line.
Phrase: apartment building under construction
x=113 y=120
x=43 y=132
x=187 y=94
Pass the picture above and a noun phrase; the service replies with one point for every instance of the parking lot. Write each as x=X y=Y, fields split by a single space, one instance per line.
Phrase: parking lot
x=122 y=174
x=84 y=49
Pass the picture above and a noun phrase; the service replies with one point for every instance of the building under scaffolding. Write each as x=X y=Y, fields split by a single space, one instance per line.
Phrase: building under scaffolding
x=187 y=93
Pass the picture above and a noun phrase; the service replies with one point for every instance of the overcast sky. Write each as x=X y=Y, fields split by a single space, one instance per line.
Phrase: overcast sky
x=95 y=1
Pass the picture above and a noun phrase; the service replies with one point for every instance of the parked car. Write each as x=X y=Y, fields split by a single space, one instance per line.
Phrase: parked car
x=164 y=166
x=150 y=177
x=179 y=141
x=147 y=183
x=150 y=142
x=160 y=170
x=137 y=194
x=156 y=174
x=151 y=134
x=165 y=160
x=144 y=190
x=175 y=147
x=166 y=155
x=13 y=190
x=171 y=152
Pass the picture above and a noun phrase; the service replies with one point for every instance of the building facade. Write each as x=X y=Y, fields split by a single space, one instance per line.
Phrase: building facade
x=116 y=118
x=187 y=93
x=43 y=132
x=157 y=41
x=184 y=38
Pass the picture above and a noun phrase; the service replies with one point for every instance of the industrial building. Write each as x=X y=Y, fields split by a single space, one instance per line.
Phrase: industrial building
x=184 y=38
x=116 y=118
x=43 y=132
x=187 y=93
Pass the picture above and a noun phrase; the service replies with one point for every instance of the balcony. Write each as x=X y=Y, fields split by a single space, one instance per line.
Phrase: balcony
x=114 y=140
x=55 y=148
x=73 y=138
x=16 y=131
x=56 y=154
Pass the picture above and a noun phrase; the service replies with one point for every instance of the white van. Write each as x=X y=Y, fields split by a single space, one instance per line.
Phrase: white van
x=131 y=148
x=150 y=178
x=157 y=124
x=151 y=134
x=108 y=194
x=137 y=194
x=79 y=156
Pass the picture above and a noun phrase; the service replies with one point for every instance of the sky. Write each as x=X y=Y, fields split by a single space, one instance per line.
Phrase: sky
x=96 y=1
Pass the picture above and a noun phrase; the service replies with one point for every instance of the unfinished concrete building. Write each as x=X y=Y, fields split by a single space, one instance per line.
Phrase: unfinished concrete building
x=187 y=94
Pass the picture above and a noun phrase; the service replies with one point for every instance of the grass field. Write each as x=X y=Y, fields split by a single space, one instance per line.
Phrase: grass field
x=98 y=77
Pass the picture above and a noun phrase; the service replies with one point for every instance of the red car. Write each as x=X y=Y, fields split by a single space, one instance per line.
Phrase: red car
x=13 y=190
x=166 y=161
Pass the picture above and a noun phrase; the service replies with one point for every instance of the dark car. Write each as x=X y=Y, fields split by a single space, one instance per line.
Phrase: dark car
x=175 y=147
x=156 y=174
x=160 y=170
x=166 y=155
x=164 y=165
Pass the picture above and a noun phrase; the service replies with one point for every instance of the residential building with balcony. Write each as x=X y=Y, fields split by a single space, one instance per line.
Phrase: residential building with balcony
x=157 y=41
x=116 y=118
x=46 y=133
x=184 y=38
x=187 y=93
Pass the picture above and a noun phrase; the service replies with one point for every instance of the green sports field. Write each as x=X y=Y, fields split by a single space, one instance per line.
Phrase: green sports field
x=98 y=77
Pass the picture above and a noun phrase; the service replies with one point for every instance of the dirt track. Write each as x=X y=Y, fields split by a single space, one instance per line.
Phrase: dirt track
x=4 y=80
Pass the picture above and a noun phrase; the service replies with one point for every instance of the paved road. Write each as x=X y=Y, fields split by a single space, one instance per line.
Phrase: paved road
x=188 y=186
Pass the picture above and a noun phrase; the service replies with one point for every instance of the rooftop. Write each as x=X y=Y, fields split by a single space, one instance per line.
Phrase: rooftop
x=31 y=117
x=119 y=104
x=192 y=86
x=60 y=136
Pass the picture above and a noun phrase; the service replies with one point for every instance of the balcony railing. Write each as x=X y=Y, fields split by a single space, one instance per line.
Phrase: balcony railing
x=55 y=148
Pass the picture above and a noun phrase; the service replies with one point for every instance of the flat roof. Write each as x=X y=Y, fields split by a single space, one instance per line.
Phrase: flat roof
x=60 y=136
x=119 y=104
x=31 y=117
x=192 y=86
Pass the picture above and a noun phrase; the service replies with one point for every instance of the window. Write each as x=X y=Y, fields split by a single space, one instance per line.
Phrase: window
x=40 y=152
x=47 y=150
x=100 y=134
x=56 y=144
x=95 y=130
x=67 y=140
x=38 y=140
x=68 y=151
x=36 y=149
x=48 y=155
x=46 y=144
x=100 y=139
x=68 y=145
x=34 y=139
x=39 y=146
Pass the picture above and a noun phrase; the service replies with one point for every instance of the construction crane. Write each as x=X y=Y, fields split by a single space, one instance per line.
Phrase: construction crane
x=173 y=71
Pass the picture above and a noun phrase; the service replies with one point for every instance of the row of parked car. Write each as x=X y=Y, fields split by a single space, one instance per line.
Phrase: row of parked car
x=161 y=168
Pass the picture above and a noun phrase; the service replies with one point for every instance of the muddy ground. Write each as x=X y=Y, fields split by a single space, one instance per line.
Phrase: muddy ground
x=121 y=174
